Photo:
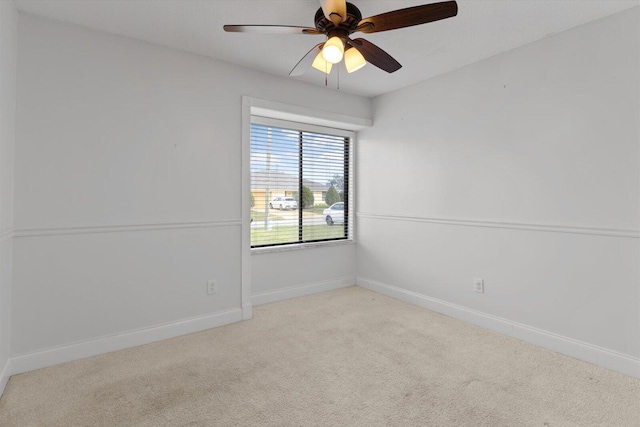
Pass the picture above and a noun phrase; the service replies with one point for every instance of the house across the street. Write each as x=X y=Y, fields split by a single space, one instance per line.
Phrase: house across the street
x=281 y=184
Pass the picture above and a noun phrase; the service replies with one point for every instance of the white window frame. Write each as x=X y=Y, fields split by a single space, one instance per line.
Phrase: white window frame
x=293 y=113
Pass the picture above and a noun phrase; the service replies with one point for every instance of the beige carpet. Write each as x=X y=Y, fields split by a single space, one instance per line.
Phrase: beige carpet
x=344 y=358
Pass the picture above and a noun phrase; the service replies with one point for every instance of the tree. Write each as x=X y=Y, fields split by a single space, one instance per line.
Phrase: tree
x=338 y=182
x=307 y=198
x=332 y=196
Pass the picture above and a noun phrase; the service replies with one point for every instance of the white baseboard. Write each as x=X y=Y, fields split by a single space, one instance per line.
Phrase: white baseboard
x=600 y=356
x=4 y=375
x=67 y=353
x=302 y=290
x=247 y=311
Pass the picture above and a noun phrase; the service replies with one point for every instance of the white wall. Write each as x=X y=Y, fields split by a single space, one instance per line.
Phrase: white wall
x=289 y=274
x=8 y=37
x=522 y=169
x=128 y=183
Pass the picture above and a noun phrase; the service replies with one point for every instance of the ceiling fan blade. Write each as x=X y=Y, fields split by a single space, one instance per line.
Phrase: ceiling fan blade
x=334 y=10
x=305 y=63
x=408 y=17
x=376 y=56
x=270 y=29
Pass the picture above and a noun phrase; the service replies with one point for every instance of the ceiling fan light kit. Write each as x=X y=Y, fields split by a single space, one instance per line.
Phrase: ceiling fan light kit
x=337 y=20
x=354 y=60
x=321 y=64
x=333 y=50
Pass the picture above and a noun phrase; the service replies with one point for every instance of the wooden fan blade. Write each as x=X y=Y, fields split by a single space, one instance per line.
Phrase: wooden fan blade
x=303 y=65
x=376 y=56
x=408 y=17
x=334 y=10
x=270 y=29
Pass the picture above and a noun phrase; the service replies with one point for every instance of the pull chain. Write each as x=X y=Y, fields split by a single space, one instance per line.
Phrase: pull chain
x=326 y=74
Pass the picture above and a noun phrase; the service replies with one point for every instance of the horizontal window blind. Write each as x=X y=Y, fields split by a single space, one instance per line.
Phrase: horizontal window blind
x=299 y=186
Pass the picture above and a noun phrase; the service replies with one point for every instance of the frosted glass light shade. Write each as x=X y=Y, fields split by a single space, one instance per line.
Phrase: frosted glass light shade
x=354 y=60
x=333 y=50
x=321 y=64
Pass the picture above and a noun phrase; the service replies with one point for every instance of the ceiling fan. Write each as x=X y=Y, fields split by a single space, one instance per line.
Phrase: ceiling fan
x=337 y=20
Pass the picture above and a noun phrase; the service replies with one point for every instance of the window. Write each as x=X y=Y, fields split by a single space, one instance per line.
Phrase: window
x=299 y=183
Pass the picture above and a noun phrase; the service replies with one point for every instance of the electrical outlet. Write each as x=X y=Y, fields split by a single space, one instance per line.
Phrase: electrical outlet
x=478 y=284
x=212 y=288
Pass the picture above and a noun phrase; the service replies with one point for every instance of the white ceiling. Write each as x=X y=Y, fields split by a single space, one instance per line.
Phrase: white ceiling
x=483 y=28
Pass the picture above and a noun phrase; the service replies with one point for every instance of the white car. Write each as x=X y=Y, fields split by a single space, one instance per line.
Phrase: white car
x=283 y=203
x=334 y=214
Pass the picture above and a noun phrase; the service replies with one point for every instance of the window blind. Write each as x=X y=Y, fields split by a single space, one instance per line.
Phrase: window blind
x=299 y=186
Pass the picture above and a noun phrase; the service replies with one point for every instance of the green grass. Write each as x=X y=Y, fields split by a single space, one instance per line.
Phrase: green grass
x=259 y=216
x=289 y=233
x=316 y=209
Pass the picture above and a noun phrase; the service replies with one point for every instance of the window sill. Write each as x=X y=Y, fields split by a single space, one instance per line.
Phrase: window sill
x=300 y=246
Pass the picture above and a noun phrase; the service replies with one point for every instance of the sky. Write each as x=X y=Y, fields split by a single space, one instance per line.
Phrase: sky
x=276 y=149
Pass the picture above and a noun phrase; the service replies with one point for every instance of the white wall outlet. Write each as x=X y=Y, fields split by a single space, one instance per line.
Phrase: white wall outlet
x=478 y=285
x=212 y=288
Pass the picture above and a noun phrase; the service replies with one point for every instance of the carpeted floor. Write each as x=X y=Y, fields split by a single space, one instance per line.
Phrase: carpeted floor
x=343 y=358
